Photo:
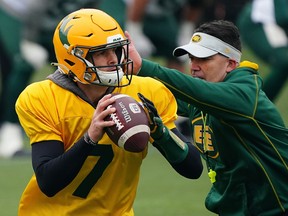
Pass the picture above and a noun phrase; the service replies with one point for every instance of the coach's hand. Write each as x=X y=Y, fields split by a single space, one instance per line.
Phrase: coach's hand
x=157 y=128
x=134 y=55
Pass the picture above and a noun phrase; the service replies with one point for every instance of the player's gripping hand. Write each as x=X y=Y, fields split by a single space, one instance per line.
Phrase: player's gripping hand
x=98 y=122
x=157 y=128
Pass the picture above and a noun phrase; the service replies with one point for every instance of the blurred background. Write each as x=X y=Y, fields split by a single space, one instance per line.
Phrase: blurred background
x=157 y=27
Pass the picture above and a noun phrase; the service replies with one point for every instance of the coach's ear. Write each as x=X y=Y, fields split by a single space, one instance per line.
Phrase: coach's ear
x=232 y=65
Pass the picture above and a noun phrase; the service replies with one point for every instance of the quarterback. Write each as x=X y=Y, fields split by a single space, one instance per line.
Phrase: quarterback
x=78 y=169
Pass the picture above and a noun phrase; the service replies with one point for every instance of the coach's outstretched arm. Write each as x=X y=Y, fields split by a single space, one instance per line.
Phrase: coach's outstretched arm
x=178 y=151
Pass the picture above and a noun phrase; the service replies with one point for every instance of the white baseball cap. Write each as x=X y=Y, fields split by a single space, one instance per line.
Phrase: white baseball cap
x=203 y=45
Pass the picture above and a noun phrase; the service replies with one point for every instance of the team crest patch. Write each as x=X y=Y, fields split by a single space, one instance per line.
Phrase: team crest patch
x=227 y=50
x=196 y=38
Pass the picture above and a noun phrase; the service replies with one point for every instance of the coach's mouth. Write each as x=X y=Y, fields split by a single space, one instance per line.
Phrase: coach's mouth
x=197 y=77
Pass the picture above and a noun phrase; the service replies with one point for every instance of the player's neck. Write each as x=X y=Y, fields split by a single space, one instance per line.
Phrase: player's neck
x=93 y=92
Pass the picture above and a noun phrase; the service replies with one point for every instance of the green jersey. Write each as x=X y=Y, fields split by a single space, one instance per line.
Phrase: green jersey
x=239 y=133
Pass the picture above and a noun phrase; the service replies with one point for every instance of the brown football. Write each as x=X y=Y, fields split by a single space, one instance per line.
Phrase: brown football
x=131 y=131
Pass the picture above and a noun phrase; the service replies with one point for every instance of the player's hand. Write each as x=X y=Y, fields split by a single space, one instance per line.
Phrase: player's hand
x=157 y=127
x=96 y=129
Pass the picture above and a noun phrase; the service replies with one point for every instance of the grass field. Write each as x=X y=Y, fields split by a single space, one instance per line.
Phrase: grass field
x=161 y=190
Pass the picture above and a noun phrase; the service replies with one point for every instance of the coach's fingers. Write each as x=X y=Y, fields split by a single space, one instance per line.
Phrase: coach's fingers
x=134 y=55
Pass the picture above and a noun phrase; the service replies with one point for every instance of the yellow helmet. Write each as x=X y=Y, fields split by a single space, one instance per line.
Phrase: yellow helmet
x=79 y=35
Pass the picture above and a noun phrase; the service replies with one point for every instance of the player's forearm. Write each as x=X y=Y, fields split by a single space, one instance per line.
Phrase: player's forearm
x=182 y=156
x=191 y=166
x=55 y=169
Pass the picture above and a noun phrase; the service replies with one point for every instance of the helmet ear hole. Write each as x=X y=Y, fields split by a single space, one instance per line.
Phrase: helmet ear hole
x=69 y=62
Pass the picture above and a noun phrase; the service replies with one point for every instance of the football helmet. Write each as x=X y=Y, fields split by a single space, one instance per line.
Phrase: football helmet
x=84 y=32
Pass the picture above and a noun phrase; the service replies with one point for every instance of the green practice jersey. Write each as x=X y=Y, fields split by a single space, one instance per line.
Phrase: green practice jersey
x=240 y=134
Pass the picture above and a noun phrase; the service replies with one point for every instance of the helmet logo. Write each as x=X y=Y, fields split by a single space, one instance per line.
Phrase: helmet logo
x=196 y=38
x=62 y=32
x=114 y=38
x=227 y=50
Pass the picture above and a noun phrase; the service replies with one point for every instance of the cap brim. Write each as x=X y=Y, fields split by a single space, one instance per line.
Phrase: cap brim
x=194 y=50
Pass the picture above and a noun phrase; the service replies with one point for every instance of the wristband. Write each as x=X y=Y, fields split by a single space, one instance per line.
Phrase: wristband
x=88 y=140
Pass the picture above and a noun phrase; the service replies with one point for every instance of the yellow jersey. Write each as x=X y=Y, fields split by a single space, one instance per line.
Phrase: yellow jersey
x=49 y=112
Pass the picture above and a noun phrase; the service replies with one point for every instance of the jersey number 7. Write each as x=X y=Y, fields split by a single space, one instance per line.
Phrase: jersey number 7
x=106 y=156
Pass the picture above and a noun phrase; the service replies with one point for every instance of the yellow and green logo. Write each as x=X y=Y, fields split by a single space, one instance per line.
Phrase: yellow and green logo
x=196 y=38
x=63 y=31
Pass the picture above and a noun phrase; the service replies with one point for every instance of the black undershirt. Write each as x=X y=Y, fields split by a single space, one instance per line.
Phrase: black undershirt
x=55 y=169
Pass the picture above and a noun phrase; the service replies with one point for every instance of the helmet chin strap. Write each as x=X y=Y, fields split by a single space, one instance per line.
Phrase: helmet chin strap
x=107 y=78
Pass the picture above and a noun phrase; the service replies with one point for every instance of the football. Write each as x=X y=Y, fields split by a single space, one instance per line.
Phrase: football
x=131 y=130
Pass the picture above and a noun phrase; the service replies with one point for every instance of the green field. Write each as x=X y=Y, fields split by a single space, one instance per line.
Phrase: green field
x=161 y=190
x=14 y=175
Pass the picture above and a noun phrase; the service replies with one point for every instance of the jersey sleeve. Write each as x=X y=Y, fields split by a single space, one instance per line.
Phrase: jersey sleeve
x=218 y=98
x=166 y=105
x=156 y=92
x=164 y=102
x=37 y=114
